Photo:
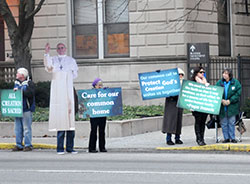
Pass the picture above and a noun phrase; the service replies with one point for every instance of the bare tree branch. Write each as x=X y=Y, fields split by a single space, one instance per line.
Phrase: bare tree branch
x=35 y=11
x=188 y=13
x=8 y=17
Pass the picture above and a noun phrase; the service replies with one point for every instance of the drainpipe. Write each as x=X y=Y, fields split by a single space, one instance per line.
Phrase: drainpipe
x=231 y=27
x=100 y=29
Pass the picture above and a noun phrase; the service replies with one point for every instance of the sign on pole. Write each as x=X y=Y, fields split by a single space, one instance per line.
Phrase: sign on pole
x=100 y=102
x=198 y=97
x=198 y=52
x=159 y=84
x=11 y=103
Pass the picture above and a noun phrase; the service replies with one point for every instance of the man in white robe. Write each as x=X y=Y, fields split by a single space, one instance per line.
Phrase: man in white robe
x=61 y=114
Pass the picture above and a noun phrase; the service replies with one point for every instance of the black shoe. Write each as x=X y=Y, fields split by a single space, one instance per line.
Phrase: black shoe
x=201 y=143
x=178 y=142
x=93 y=151
x=233 y=141
x=103 y=150
x=16 y=148
x=226 y=141
x=170 y=143
x=27 y=149
x=72 y=152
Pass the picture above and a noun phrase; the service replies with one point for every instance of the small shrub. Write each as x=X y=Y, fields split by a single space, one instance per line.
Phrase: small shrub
x=246 y=107
x=6 y=85
x=42 y=93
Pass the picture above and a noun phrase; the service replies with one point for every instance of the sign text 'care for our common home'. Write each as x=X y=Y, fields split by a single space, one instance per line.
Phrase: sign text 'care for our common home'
x=198 y=97
x=11 y=103
x=159 y=84
x=100 y=102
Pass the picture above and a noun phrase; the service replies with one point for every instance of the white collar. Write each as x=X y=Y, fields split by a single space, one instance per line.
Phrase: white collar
x=61 y=56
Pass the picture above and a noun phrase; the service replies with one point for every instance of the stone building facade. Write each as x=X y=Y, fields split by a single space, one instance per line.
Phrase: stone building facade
x=117 y=39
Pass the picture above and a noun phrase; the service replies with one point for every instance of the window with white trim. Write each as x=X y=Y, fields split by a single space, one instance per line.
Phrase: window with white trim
x=100 y=28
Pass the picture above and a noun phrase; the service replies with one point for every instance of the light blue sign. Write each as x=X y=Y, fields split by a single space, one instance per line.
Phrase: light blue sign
x=160 y=84
x=100 y=102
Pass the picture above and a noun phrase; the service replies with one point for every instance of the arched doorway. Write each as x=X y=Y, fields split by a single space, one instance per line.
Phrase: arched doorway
x=2 y=49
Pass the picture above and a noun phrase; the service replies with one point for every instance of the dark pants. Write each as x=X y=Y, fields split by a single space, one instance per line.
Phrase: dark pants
x=95 y=123
x=70 y=135
x=199 y=126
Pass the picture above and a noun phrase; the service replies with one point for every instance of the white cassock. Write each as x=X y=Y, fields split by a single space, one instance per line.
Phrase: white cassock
x=62 y=108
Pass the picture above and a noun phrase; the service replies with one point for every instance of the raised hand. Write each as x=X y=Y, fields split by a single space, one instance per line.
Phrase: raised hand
x=47 y=48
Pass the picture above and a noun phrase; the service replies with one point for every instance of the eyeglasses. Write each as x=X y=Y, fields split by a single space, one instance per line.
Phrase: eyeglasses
x=58 y=48
x=202 y=72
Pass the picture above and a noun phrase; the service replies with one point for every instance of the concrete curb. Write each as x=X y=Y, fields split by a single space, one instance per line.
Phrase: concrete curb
x=212 y=147
x=8 y=146
x=35 y=146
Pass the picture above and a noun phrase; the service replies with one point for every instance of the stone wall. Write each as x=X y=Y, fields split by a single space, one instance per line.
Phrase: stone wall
x=153 y=31
x=241 y=28
x=156 y=28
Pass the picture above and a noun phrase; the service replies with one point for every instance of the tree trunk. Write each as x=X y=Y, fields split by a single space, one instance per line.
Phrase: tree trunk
x=22 y=57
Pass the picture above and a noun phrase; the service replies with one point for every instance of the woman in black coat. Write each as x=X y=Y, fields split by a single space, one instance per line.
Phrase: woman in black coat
x=172 y=120
x=200 y=118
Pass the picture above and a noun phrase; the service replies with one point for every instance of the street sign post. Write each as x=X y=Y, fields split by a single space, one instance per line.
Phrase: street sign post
x=198 y=55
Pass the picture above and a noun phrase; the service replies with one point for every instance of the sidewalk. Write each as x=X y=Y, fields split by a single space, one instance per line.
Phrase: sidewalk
x=144 y=142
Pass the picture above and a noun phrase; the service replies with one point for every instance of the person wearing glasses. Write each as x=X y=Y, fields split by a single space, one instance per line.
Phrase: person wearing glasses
x=230 y=104
x=99 y=122
x=62 y=110
x=172 y=120
x=200 y=117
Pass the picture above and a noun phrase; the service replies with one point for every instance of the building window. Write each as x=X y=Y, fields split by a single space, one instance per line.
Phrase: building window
x=85 y=29
x=100 y=28
x=224 y=33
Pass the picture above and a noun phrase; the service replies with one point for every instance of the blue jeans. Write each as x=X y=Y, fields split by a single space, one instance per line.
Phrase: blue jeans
x=228 y=127
x=23 y=130
x=70 y=135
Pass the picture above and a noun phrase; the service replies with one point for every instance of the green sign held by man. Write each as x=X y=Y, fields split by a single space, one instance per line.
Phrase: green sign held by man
x=11 y=103
x=198 y=97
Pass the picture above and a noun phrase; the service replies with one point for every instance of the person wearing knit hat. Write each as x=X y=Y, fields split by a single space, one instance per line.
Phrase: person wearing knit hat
x=172 y=119
x=96 y=123
x=181 y=74
x=96 y=81
x=23 y=124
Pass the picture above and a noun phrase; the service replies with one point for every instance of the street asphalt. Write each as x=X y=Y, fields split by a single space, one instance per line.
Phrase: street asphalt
x=151 y=141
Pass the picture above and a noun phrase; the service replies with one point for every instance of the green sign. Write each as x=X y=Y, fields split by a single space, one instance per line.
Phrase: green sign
x=198 y=97
x=11 y=103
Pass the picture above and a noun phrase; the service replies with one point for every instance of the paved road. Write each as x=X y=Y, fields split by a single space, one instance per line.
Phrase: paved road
x=120 y=168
